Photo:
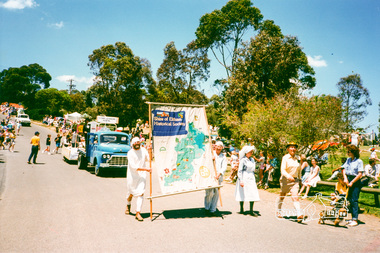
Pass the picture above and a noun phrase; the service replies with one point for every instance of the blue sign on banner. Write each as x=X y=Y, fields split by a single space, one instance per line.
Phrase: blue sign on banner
x=167 y=123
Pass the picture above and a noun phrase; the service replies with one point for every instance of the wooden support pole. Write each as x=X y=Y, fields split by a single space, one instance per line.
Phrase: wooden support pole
x=150 y=161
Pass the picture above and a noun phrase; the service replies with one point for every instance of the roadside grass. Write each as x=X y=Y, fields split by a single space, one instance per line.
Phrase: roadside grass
x=366 y=200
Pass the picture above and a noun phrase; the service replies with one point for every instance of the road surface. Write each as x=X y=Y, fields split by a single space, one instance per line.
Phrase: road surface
x=54 y=207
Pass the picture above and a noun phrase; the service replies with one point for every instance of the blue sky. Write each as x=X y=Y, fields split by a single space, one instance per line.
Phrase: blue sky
x=340 y=37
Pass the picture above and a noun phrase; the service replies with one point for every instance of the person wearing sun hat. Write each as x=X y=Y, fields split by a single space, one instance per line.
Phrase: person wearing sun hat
x=136 y=176
x=289 y=181
x=246 y=188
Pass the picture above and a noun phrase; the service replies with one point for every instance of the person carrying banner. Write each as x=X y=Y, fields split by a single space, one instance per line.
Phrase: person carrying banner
x=212 y=195
x=136 y=176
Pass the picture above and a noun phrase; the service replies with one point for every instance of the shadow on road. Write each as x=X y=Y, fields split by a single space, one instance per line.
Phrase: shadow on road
x=110 y=173
x=190 y=214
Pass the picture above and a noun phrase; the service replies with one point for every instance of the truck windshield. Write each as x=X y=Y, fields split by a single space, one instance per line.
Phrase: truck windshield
x=114 y=138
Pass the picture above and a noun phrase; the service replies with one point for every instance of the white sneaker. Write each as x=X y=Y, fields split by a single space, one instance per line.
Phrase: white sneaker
x=49 y=153
x=352 y=223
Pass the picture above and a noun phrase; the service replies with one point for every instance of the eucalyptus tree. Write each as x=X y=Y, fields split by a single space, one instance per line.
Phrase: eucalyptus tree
x=120 y=83
x=355 y=99
x=222 y=31
x=51 y=101
x=19 y=85
x=180 y=75
x=269 y=64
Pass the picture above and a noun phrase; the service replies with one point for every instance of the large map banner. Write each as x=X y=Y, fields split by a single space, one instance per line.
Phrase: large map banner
x=181 y=147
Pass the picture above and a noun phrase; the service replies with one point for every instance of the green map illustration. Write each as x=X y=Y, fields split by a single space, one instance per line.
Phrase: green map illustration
x=188 y=148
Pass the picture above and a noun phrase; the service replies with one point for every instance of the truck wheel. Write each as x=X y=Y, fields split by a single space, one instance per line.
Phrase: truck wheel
x=82 y=162
x=97 y=169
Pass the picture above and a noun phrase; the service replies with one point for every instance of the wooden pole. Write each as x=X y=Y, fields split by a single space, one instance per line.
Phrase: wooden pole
x=183 y=192
x=150 y=161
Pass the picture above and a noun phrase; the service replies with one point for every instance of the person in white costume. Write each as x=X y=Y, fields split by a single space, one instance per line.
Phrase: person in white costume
x=212 y=195
x=136 y=176
x=246 y=189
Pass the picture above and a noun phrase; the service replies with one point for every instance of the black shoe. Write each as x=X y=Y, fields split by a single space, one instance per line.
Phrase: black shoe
x=29 y=162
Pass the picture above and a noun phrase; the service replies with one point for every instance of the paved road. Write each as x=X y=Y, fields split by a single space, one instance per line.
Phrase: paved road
x=54 y=207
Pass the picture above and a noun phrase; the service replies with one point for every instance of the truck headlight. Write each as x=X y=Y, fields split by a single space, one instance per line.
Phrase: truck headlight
x=106 y=156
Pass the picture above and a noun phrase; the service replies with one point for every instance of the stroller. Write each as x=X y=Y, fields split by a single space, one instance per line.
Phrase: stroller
x=338 y=209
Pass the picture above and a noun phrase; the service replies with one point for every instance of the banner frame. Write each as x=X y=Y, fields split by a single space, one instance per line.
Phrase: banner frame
x=151 y=153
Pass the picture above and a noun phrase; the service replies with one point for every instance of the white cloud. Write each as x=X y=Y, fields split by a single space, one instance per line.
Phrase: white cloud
x=341 y=62
x=18 y=4
x=57 y=25
x=316 y=62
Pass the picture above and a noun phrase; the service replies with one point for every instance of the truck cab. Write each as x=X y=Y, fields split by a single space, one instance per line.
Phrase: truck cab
x=105 y=150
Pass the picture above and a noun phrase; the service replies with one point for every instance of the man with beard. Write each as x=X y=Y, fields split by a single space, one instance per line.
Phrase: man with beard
x=136 y=176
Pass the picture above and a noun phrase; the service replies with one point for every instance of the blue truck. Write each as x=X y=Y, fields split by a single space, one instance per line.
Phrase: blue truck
x=105 y=150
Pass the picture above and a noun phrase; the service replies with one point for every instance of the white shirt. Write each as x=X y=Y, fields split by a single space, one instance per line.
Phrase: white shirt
x=354 y=139
x=371 y=171
x=136 y=179
x=220 y=163
x=373 y=155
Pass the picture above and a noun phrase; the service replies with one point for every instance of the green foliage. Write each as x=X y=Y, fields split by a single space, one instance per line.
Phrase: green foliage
x=50 y=102
x=355 y=98
x=77 y=101
x=222 y=30
x=214 y=110
x=121 y=79
x=288 y=117
x=179 y=74
x=19 y=85
x=267 y=66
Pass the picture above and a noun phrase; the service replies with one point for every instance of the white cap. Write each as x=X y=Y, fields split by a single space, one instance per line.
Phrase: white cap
x=219 y=143
x=134 y=140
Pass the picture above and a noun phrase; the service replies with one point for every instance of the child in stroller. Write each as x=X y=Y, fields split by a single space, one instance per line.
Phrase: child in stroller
x=338 y=202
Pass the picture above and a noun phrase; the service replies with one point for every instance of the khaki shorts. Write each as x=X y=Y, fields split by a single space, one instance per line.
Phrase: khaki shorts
x=288 y=186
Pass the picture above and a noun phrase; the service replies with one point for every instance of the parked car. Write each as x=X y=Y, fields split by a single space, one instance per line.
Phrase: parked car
x=23 y=119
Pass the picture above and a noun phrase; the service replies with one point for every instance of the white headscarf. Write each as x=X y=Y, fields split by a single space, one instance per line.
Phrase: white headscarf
x=219 y=143
x=245 y=150
x=134 y=140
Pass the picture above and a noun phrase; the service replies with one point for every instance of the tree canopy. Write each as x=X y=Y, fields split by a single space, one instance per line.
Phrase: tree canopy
x=222 y=31
x=288 y=117
x=355 y=98
x=179 y=76
x=121 y=79
x=20 y=85
x=268 y=65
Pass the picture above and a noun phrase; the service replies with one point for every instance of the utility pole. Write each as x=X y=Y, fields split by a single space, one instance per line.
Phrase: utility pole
x=71 y=85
